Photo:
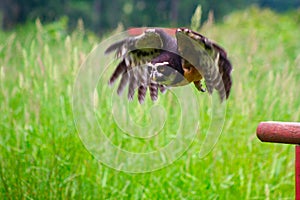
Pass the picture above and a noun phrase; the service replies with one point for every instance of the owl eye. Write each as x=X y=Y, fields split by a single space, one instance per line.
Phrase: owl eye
x=161 y=68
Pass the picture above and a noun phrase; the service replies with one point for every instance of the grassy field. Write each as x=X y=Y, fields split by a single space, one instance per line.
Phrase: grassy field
x=42 y=156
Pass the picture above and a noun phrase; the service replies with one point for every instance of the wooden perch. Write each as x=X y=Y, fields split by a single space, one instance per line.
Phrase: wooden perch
x=279 y=132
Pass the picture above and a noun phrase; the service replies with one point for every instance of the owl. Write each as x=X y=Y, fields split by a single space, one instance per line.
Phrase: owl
x=156 y=60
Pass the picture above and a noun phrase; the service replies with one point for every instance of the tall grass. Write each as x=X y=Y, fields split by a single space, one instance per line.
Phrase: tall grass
x=42 y=157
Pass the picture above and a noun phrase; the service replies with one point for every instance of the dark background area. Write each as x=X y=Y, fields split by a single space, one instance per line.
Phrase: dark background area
x=104 y=15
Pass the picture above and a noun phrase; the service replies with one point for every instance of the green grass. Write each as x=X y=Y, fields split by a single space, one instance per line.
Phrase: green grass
x=42 y=156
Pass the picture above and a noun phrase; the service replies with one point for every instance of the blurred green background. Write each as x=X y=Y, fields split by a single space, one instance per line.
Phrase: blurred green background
x=102 y=15
x=41 y=154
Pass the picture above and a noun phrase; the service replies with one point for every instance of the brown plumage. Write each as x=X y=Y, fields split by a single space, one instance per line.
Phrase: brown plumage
x=156 y=60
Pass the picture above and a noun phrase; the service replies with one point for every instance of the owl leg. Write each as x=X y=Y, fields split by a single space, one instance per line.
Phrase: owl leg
x=198 y=85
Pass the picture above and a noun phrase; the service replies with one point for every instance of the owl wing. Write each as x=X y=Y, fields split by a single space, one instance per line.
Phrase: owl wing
x=208 y=58
x=136 y=53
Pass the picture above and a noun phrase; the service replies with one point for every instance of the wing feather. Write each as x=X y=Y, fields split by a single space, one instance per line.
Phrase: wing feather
x=136 y=52
x=120 y=69
x=208 y=58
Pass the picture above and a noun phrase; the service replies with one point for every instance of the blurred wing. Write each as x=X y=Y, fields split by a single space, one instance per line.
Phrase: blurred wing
x=136 y=53
x=208 y=58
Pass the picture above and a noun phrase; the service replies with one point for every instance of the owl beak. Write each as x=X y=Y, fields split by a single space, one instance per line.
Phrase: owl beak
x=153 y=72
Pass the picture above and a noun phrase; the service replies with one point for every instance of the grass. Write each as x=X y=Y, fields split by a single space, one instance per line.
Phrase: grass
x=42 y=156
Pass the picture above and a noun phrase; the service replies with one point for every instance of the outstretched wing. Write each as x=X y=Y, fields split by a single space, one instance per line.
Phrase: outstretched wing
x=136 y=53
x=208 y=58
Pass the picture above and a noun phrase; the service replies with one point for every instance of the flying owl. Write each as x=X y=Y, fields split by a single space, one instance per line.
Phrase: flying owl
x=157 y=60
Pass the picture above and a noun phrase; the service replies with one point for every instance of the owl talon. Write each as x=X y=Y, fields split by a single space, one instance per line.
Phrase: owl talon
x=199 y=85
